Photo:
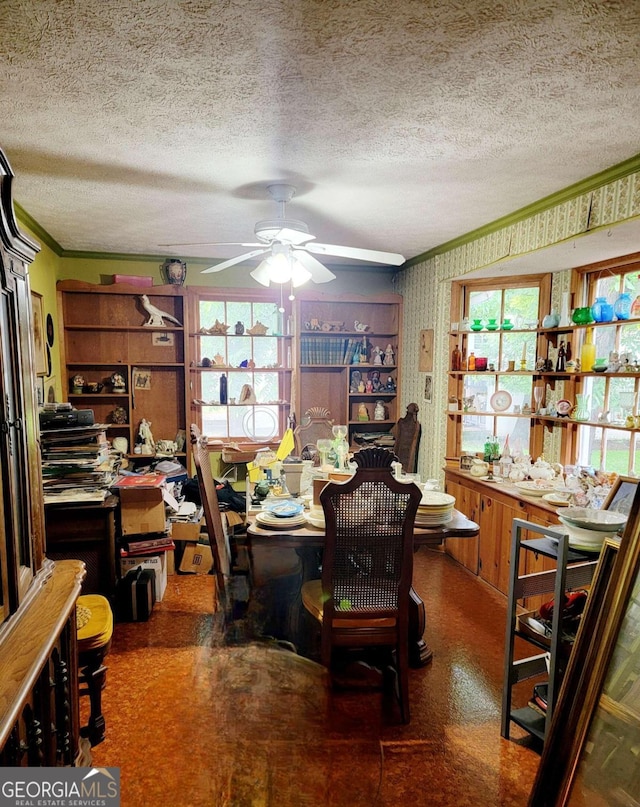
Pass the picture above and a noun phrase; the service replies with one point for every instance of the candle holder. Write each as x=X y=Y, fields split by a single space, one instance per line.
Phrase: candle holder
x=523 y=365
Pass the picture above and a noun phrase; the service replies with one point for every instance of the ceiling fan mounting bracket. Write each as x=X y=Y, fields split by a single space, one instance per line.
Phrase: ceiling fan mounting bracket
x=281 y=192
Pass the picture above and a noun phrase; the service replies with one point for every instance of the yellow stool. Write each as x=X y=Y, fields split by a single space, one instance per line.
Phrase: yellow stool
x=95 y=627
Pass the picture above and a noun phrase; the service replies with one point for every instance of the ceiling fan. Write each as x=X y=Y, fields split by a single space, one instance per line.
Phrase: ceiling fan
x=290 y=249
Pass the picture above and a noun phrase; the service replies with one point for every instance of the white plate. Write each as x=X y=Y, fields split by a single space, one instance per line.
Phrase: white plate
x=273 y=522
x=530 y=488
x=284 y=509
x=556 y=500
x=316 y=522
x=433 y=498
x=500 y=400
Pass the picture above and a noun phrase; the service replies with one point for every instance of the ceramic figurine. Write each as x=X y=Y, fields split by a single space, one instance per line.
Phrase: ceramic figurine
x=156 y=316
x=363 y=413
x=145 y=437
x=377 y=355
x=379 y=413
x=389 y=359
x=390 y=386
x=360 y=326
x=77 y=384
x=118 y=383
x=239 y=328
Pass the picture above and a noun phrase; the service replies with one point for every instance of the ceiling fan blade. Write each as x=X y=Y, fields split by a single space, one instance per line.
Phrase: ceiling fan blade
x=319 y=272
x=374 y=255
x=213 y=244
x=233 y=261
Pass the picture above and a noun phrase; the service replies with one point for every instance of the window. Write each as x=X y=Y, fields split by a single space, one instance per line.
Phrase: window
x=253 y=361
x=613 y=397
x=508 y=315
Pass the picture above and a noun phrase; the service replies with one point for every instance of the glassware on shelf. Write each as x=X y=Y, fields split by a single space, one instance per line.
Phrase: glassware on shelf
x=582 y=315
x=507 y=325
x=492 y=325
x=538 y=395
x=552 y=320
x=340 y=446
x=622 y=306
x=602 y=310
x=476 y=325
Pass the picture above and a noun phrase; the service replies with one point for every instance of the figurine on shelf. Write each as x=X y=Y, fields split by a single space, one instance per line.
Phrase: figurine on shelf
x=119 y=416
x=378 y=412
x=77 y=384
x=376 y=384
x=239 y=328
x=389 y=358
x=156 y=315
x=363 y=412
x=145 y=437
x=390 y=386
x=118 y=383
x=561 y=360
x=368 y=387
x=356 y=377
x=377 y=354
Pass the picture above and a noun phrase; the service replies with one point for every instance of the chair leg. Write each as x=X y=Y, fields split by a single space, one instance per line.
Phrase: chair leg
x=402 y=662
x=93 y=675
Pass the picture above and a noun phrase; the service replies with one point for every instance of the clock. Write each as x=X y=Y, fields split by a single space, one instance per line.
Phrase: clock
x=500 y=401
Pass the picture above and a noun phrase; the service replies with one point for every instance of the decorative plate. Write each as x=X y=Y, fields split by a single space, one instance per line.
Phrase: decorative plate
x=532 y=488
x=284 y=509
x=564 y=407
x=500 y=400
x=557 y=499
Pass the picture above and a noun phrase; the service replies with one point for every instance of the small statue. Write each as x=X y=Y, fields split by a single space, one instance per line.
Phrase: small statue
x=368 y=387
x=561 y=360
x=363 y=413
x=145 y=437
x=376 y=384
x=377 y=354
x=390 y=385
x=389 y=359
x=360 y=327
x=239 y=328
x=379 y=413
x=119 y=415
x=118 y=383
x=156 y=316
x=355 y=381
x=77 y=384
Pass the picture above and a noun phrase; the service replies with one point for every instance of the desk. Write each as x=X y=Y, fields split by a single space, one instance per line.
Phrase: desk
x=308 y=537
x=87 y=531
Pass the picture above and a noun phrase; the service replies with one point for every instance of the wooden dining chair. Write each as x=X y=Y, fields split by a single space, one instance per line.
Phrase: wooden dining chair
x=316 y=424
x=407 y=439
x=232 y=591
x=362 y=599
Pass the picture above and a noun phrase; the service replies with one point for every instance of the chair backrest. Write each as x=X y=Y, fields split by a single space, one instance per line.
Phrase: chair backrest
x=368 y=552
x=220 y=548
x=407 y=433
x=316 y=423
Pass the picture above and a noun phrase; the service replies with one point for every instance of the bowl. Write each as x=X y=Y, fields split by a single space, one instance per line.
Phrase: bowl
x=590 y=519
x=585 y=538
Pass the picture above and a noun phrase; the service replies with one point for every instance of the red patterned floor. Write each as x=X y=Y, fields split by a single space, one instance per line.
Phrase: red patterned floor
x=192 y=722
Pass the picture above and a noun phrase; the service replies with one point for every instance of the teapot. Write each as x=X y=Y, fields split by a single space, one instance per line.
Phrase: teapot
x=541 y=470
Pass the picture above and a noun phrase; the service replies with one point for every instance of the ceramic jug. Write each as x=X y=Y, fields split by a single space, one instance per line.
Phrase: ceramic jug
x=552 y=320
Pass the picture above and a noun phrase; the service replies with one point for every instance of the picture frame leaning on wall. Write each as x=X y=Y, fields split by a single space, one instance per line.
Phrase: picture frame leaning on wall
x=588 y=757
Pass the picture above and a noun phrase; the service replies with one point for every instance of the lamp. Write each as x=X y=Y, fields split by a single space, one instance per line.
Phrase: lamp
x=281 y=267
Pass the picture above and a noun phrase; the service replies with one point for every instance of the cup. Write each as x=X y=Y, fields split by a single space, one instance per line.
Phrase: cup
x=511 y=366
x=481 y=363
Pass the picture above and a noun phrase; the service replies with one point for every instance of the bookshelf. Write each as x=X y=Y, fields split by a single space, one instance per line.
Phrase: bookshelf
x=336 y=352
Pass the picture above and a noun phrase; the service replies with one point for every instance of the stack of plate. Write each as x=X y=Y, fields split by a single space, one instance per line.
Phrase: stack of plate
x=281 y=515
x=435 y=508
x=587 y=528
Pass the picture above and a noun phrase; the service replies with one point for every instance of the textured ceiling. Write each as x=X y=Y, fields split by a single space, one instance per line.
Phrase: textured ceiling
x=403 y=124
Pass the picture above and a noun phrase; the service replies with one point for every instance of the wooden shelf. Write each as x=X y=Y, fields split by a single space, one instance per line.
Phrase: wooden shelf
x=148 y=328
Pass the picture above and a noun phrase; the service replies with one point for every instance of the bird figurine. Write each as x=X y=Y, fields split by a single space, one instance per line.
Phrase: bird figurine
x=360 y=326
x=156 y=316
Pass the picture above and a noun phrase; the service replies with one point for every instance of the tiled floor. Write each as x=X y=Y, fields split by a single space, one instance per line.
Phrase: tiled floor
x=193 y=722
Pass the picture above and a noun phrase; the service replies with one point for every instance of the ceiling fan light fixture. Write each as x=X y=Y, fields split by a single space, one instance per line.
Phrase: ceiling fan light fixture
x=279 y=268
x=299 y=275
x=261 y=273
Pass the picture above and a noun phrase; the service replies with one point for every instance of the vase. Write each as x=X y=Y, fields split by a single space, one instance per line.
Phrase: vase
x=507 y=325
x=552 y=320
x=582 y=315
x=602 y=310
x=581 y=409
x=476 y=325
x=175 y=271
x=565 y=311
x=492 y=325
x=622 y=306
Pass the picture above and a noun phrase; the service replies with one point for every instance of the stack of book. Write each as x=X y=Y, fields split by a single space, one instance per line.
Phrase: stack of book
x=77 y=465
x=149 y=543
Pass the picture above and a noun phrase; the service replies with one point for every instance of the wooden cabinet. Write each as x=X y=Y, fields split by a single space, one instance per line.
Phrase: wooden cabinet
x=338 y=338
x=39 y=722
x=465 y=550
x=106 y=335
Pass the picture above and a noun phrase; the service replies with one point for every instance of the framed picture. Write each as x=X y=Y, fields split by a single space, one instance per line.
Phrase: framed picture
x=620 y=497
x=141 y=378
x=425 y=359
x=39 y=336
x=590 y=755
x=428 y=388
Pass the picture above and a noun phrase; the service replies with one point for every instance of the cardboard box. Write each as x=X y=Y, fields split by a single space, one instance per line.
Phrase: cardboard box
x=156 y=562
x=186 y=530
x=197 y=558
x=142 y=510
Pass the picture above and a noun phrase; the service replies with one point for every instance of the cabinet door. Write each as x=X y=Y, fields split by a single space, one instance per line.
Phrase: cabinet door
x=496 y=520
x=465 y=550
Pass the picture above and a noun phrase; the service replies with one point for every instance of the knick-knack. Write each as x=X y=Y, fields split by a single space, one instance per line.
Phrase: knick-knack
x=239 y=328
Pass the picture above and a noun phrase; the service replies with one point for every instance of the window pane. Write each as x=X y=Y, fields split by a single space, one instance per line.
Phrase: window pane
x=521 y=305
x=629 y=339
x=210 y=311
x=265 y=351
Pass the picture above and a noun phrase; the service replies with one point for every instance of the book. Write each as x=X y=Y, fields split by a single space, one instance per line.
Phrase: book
x=140 y=481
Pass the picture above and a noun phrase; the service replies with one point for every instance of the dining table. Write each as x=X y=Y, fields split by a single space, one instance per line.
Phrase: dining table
x=307 y=540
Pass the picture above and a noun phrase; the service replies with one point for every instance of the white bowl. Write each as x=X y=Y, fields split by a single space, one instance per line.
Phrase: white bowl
x=532 y=488
x=590 y=519
x=579 y=535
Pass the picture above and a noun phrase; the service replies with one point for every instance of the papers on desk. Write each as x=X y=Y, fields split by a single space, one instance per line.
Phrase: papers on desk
x=71 y=495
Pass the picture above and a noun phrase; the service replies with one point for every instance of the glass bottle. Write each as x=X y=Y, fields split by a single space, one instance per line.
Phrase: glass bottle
x=456 y=358
x=602 y=310
x=471 y=364
x=588 y=353
x=223 y=389
x=622 y=306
